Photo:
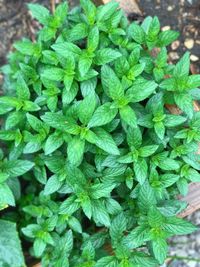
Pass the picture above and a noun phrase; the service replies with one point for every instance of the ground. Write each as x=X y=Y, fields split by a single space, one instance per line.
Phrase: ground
x=181 y=15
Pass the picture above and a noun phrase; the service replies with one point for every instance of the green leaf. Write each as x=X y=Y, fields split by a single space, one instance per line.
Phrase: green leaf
x=53 y=73
x=174 y=120
x=106 y=55
x=118 y=226
x=84 y=64
x=111 y=83
x=140 y=90
x=160 y=129
x=160 y=249
x=60 y=122
x=39 y=12
x=71 y=49
x=86 y=108
x=78 y=32
x=39 y=246
x=137 y=33
x=167 y=37
x=147 y=151
x=53 y=184
x=178 y=226
x=137 y=237
x=185 y=103
x=100 y=190
x=93 y=39
x=103 y=115
x=100 y=214
x=53 y=142
x=75 y=150
x=17 y=167
x=6 y=195
x=169 y=164
x=168 y=179
x=104 y=12
x=128 y=116
x=106 y=142
x=108 y=261
x=10 y=246
x=75 y=225
x=141 y=170
x=89 y=10
x=146 y=196
x=182 y=68
x=22 y=88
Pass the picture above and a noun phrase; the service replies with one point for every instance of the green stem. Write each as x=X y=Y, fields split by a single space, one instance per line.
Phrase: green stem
x=175 y=257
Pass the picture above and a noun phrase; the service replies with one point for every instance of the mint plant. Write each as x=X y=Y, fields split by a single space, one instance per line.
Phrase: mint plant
x=92 y=160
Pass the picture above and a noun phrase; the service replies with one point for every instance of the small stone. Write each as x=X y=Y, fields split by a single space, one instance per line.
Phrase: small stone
x=194 y=58
x=173 y=55
x=175 y=45
x=189 y=43
x=170 y=8
x=166 y=28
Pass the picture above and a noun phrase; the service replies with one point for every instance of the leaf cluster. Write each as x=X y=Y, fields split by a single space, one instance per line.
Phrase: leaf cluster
x=91 y=156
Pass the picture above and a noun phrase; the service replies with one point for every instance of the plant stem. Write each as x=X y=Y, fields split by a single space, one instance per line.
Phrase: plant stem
x=175 y=257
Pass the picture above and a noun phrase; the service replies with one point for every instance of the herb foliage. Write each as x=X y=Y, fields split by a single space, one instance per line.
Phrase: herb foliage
x=91 y=156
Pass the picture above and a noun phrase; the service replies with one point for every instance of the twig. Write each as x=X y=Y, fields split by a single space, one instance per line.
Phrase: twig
x=52 y=5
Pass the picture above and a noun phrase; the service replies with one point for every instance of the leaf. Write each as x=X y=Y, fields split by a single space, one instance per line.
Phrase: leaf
x=6 y=195
x=140 y=168
x=86 y=108
x=62 y=47
x=17 y=167
x=168 y=179
x=147 y=151
x=39 y=246
x=160 y=249
x=169 y=164
x=100 y=190
x=111 y=83
x=22 y=88
x=160 y=129
x=137 y=33
x=108 y=261
x=53 y=73
x=137 y=237
x=39 y=12
x=146 y=196
x=106 y=55
x=184 y=102
x=140 y=90
x=106 y=142
x=75 y=151
x=75 y=225
x=53 y=142
x=118 y=226
x=53 y=184
x=104 y=12
x=178 y=226
x=10 y=246
x=182 y=68
x=174 y=120
x=89 y=10
x=128 y=115
x=93 y=39
x=84 y=64
x=103 y=115
x=60 y=122
x=167 y=37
